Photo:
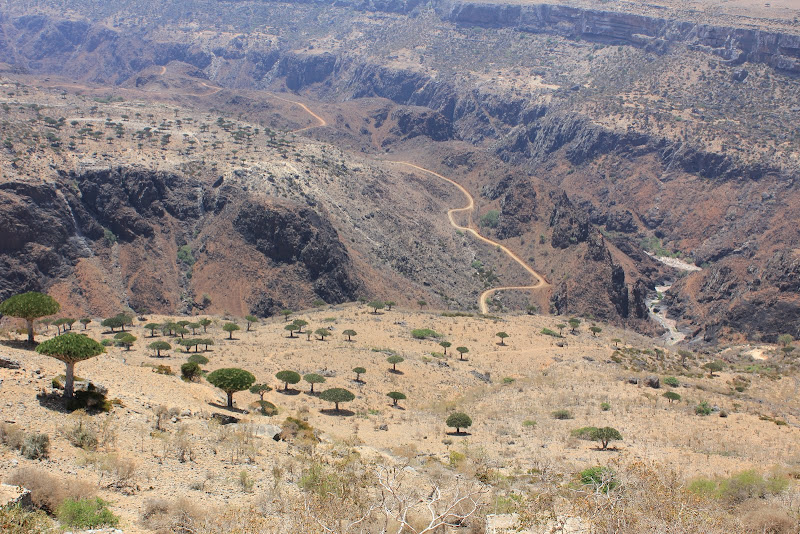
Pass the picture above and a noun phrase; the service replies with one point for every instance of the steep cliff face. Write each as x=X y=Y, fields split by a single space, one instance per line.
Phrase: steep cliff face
x=291 y=234
x=104 y=239
x=737 y=45
x=598 y=287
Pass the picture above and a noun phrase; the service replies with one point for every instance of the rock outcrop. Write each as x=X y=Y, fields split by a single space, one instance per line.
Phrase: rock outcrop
x=103 y=239
x=737 y=45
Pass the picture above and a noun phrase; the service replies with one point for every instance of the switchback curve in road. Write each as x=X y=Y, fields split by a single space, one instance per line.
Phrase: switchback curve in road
x=468 y=209
x=322 y=122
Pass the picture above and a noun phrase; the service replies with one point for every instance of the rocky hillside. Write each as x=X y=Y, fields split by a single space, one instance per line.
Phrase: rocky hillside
x=627 y=112
x=128 y=237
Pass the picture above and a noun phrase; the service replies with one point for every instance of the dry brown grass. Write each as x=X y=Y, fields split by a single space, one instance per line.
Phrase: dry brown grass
x=48 y=491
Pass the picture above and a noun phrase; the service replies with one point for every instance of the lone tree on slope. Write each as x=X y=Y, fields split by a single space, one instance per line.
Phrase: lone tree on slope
x=458 y=420
x=250 y=320
x=502 y=336
x=313 y=378
x=395 y=396
x=230 y=380
x=70 y=348
x=462 y=351
x=260 y=390
x=394 y=360
x=158 y=346
x=230 y=328
x=125 y=338
x=713 y=367
x=445 y=345
x=292 y=328
x=288 y=377
x=376 y=305
x=336 y=395
x=359 y=371
x=152 y=327
x=604 y=435
x=349 y=333
x=30 y=306
x=573 y=324
x=322 y=332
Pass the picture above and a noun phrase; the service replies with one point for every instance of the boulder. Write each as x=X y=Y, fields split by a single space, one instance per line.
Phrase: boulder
x=8 y=363
x=653 y=382
x=266 y=431
x=14 y=496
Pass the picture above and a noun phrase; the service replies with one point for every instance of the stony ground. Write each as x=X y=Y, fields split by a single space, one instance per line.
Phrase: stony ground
x=510 y=391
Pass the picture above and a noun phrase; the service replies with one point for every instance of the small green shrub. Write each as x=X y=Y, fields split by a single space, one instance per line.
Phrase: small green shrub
x=86 y=513
x=424 y=333
x=548 y=332
x=91 y=400
x=190 y=371
x=672 y=381
x=702 y=409
x=740 y=487
x=509 y=380
x=529 y=423
x=605 y=406
x=561 y=414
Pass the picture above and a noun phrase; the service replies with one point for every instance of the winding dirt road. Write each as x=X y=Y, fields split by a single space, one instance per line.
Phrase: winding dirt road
x=322 y=122
x=468 y=209
x=540 y=282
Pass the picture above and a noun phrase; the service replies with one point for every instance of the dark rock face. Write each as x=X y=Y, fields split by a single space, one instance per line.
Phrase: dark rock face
x=620 y=221
x=37 y=238
x=301 y=70
x=295 y=234
x=125 y=200
x=570 y=224
x=783 y=270
x=49 y=229
x=517 y=209
x=599 y=287
x=421 y=121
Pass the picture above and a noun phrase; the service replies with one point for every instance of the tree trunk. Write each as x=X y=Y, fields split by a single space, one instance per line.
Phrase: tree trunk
x=30 y=330
x=69 y=380
x=337 y=406
x=230 y=335
x=395 y=402
x=230 y=399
